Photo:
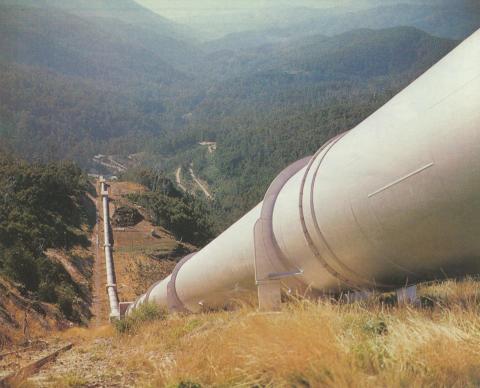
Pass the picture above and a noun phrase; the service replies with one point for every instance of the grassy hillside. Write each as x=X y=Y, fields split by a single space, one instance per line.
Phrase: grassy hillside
x=308 y=344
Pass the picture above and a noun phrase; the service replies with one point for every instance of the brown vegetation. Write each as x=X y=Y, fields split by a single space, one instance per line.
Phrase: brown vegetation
x=308 y=344
x=22 y=319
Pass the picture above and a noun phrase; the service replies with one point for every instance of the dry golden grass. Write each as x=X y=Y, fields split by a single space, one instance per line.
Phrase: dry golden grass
x=84 y=334
x=312 y=344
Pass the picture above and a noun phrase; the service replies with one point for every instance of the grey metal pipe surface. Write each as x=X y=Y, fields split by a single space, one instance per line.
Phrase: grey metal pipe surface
x=394 y=201
x=111 y=282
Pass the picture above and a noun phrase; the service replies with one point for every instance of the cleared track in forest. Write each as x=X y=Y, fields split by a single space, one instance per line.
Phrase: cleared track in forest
x=200 y=184
x=178 y=179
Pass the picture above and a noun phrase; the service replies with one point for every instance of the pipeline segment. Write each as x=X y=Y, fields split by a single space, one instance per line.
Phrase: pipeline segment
x=392 y=202
x=111 y=286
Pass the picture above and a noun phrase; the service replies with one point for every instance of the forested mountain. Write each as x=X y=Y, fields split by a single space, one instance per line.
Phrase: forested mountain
x=126 y=11
x=74 y=83
x=454 y=20
x=357 y=54
x=47 y=116
x=78 y=78
x=90 y=47
x=303 y=75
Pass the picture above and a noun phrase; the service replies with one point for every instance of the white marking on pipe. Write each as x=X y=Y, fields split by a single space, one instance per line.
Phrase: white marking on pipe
x=401 y=179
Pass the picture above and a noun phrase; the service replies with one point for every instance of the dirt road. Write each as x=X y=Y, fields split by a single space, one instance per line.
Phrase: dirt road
x=99 y=296
x=179 y=180
x=200 y=184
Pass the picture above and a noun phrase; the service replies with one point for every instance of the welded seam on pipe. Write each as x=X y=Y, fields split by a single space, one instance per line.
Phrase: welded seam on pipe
x=353 y=276
x=400 y=180
x=174 y=303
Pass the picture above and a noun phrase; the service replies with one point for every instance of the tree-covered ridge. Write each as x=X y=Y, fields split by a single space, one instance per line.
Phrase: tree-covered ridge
x=301 y=76
x=73 y=43
x=41 y=208
x=48 y=116
x=443 y=18
x=72 y=82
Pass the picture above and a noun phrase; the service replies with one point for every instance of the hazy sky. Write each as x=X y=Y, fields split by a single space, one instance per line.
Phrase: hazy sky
x=214 y=18
x=184 y=9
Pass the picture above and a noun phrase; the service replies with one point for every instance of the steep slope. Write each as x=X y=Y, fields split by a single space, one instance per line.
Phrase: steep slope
x=76 y=77
x=127 y=11
x=70 y=45
x=47 y=116
x=46 y=217
x=145 y=251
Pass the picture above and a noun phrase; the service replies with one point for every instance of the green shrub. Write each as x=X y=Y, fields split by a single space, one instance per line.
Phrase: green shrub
x=188 y=384
x=186 y=217
x=66 y=296
x=147 y=312
x=20 y=266
x=375 y=326
x=41 y=207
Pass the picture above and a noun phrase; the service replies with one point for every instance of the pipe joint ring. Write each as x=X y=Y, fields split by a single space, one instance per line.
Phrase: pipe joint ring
x=344 y=274
x=174 y=303
x=268 y=256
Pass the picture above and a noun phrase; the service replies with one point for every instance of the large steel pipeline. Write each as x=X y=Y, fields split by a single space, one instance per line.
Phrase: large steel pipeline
x=111 y=286
x=394 y=201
